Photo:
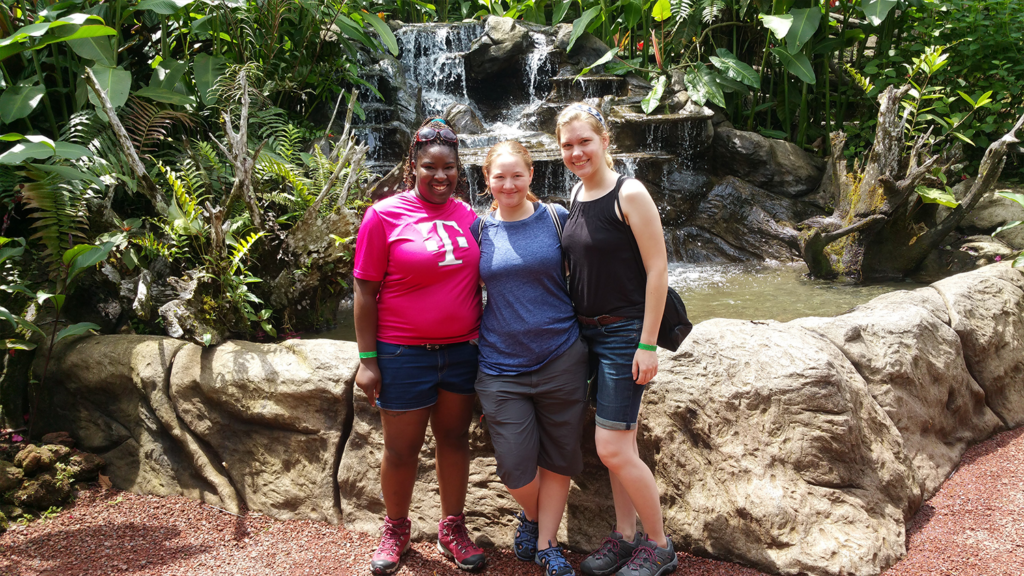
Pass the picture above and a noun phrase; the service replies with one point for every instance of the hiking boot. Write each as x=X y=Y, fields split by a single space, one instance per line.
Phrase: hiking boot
x=525 y=541
x=554 y=562
x=394 y=541
x=453 y=541
x=612 y=554
x=649 y=560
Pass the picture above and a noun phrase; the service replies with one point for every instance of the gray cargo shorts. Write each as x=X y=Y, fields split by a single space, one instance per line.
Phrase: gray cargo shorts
x=536 y=418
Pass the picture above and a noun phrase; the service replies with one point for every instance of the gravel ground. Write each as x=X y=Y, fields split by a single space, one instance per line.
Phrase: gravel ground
x=973 y=526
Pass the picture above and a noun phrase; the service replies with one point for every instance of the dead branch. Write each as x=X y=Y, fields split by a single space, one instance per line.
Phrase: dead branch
x=237 y=152
x=148 y=186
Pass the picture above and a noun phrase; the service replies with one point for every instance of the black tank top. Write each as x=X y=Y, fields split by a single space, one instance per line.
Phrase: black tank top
x=606 y=271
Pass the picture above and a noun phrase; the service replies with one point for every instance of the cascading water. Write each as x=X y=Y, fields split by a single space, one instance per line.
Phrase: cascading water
x=432 y=59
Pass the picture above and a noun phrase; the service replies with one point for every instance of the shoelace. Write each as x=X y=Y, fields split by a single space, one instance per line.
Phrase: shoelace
x=458 y=534
x=608 y=545
x=527 y=527
x=392 y=535
x=641 y=554
x=553 y=559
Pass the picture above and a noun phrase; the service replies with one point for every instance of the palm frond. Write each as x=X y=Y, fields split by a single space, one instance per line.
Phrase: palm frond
x=711 y=10
x=681 y=9
x=59 y=210
x=147 y=125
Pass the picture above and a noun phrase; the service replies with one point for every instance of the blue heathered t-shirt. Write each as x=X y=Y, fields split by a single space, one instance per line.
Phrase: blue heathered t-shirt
x=528 y=319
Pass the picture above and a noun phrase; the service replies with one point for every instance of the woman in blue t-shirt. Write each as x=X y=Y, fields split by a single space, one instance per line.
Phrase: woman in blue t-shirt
x=532 y=377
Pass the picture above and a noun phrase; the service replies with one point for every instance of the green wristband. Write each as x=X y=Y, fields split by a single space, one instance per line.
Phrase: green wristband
x=368 y=354
x=647 y=347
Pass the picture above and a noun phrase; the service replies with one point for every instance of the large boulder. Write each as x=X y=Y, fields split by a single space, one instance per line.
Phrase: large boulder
x=986 y=308
x=770 y=451
x=929 y=395
x=775 y=165
x=994 y=211
x=502 y=45
x=96 y=387
x=274 y=415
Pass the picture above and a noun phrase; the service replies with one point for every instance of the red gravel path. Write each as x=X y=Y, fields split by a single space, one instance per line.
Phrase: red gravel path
x=974 y=526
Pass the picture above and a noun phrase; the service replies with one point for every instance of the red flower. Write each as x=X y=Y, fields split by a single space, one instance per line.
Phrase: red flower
x=640 y=45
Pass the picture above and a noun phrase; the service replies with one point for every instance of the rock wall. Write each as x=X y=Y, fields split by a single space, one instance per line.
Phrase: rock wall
x=797 y=448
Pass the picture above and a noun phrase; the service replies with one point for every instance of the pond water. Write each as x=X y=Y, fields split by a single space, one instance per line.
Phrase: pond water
x=764 y=291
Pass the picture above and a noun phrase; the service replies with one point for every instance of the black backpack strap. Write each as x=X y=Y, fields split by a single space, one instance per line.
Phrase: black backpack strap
x=555 y=220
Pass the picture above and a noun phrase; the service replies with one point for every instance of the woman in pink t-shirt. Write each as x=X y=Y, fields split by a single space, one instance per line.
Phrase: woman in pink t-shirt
x=417 y=316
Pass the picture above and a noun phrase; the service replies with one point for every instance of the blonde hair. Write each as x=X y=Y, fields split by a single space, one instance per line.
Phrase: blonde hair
x=582 y=112
x=507 y=147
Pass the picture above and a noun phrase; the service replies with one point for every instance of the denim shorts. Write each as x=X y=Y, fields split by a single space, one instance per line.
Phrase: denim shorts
x=411 y=375
x=536 y=418
x=612 y=348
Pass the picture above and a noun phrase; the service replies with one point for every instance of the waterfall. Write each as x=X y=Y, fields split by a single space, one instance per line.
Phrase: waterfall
x=432 y=59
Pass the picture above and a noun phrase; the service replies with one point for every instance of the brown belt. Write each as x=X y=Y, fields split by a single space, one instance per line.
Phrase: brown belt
x=603 y=320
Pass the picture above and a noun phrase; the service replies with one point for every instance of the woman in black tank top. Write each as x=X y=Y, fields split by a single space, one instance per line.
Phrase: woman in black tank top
x=618 y=280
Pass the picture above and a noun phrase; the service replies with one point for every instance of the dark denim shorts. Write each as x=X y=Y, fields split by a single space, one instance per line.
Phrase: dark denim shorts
x=611 y=365
x=411 y=375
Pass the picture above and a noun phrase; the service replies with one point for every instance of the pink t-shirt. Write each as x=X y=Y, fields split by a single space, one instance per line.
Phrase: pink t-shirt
x=429 y=263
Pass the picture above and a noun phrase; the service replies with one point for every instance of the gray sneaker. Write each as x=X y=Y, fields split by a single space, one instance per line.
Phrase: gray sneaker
x=612 y=554
x=649 y=560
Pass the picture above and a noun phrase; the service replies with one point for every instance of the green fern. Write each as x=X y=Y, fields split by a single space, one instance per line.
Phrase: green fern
x=59 y=209
x=681 y=9
x=241 y=249
x=711 y=10
x=302 y=196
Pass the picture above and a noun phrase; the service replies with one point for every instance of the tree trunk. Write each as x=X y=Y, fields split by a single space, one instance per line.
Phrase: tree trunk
x=879 y=229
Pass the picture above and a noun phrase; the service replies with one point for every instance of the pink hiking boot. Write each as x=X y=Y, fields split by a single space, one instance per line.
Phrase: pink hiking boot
x=394 y=541
x=453 y=541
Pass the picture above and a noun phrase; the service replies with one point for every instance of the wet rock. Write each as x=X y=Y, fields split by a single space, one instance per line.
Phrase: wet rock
x=274 y=415
x=774 y=165
x=61 y=438
x=463 y=119
x=585 y=51
x=502 y=45
x=10 y=476
x=994 y=211
x=930 y=396
x=42 y=492
x=84 y=466
x=752 y=220
x=32 y=459
x=986 y=308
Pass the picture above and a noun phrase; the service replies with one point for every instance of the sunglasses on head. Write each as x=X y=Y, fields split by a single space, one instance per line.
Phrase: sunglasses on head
x=428 y=134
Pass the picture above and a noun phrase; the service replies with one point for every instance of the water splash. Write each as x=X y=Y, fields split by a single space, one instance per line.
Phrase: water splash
x=432 y=59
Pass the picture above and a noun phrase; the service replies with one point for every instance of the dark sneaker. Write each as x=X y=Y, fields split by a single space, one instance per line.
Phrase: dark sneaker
x=612 y=554
x=525 y=541
x=649 y=560
x=394 y=541
x=453 y=541
x=554 y=562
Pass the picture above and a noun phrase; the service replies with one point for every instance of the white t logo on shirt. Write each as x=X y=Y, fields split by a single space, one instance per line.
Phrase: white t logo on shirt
x=446 y=241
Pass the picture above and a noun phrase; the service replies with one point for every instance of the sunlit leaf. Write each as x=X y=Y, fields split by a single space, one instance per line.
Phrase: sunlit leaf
x=736 y=69
x=662 y=10
x=383 y=31
x=97 y=48
x=68 y=172
x=21 y=152
x=164 y=7
x=75 y=330
x=653 y=98
x=877 y=10
x=19 y=101
x=700 y=83
x=579 y=26
x=936 y=196
x=779 y=25
x=602 y=60
x=116 y=82
x=805 y=24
